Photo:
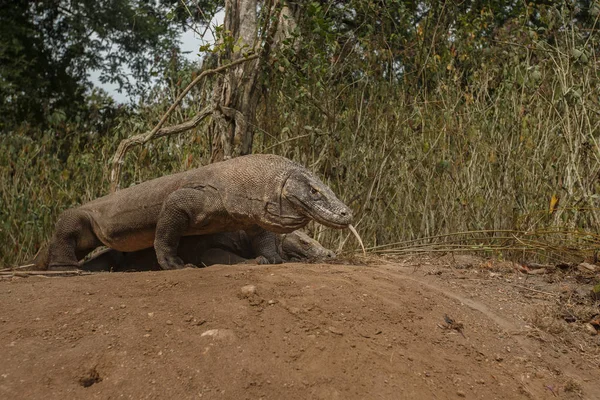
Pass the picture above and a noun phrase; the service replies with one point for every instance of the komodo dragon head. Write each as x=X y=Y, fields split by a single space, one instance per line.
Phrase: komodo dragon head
x=312 y=198
x=298 y=245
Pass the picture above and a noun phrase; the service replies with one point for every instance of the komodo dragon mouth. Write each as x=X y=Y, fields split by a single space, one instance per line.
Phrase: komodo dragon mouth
x=326 y=216
x=313 y=198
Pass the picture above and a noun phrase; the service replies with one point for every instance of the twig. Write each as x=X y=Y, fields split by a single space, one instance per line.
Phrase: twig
x=20 y=267
x=534 y=290
x=140 y=139
x=44 y=273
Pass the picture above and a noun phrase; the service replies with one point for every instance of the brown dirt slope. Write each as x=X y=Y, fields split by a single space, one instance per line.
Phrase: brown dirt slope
x=304 y=331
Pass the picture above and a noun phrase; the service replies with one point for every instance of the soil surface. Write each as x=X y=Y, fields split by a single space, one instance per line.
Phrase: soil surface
x=303 y=331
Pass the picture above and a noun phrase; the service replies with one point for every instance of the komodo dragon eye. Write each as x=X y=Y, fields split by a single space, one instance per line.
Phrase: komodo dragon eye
x=313 y=190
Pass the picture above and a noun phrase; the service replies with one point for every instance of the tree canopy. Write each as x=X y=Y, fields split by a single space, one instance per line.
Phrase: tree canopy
x=49 y=48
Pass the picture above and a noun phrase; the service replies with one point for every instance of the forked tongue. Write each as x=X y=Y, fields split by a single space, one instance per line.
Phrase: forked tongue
x=357 y=236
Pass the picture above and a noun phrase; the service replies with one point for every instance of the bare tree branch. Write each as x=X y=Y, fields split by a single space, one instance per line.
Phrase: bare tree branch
x=140 y=139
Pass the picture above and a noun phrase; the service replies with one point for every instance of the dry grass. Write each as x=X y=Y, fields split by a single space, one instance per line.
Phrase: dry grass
x=511 y=160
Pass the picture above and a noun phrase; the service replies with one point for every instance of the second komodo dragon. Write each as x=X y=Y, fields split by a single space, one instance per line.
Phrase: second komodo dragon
x=220 y=248
x=259 y=194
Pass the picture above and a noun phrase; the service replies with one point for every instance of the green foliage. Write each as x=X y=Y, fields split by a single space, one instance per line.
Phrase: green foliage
x=48 y=49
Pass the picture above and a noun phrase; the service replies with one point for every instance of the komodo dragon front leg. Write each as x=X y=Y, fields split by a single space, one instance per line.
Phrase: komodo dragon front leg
x=201 y=211
x=265 y=245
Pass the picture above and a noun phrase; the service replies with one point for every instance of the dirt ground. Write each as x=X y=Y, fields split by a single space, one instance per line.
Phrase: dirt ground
x=303 y=331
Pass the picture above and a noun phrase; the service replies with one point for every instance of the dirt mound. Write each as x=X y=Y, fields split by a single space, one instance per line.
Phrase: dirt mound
x=293 y=331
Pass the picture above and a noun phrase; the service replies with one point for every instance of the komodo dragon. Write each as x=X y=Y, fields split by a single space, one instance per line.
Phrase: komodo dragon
x=258 y=193
x=220 y=248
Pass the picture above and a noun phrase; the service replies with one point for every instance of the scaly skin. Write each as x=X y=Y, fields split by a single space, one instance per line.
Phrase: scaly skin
x=255 y=193
x=221 y=248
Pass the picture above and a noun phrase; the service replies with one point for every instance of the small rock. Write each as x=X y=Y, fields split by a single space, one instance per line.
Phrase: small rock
x=248 y=290
x=123 y=306
x=335 y=330
x=226 y=335
x=151 y=314
x=586 y=267
x=539 y=271
x=271 y=302
x=590 y=329
x=169 y=322
x=499 y=358
x=460 y=393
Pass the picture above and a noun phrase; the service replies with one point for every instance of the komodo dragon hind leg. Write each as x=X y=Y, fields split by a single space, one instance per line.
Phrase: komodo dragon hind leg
x=73 y=239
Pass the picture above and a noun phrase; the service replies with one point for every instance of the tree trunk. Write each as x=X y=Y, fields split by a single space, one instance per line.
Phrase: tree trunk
x=236 y=93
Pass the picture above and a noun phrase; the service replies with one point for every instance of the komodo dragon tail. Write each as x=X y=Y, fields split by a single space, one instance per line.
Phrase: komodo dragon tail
x=40 y=260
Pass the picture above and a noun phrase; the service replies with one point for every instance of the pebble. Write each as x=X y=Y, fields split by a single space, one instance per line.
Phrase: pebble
x=169 y=322
x=460 y=393
x=539 y=271
x=584 y=267
x=335 y=330
x=248 y=290
x=220 y=334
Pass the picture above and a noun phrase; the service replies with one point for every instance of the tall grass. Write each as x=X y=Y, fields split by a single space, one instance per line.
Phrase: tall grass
x=418 y=166
x=484 y=158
